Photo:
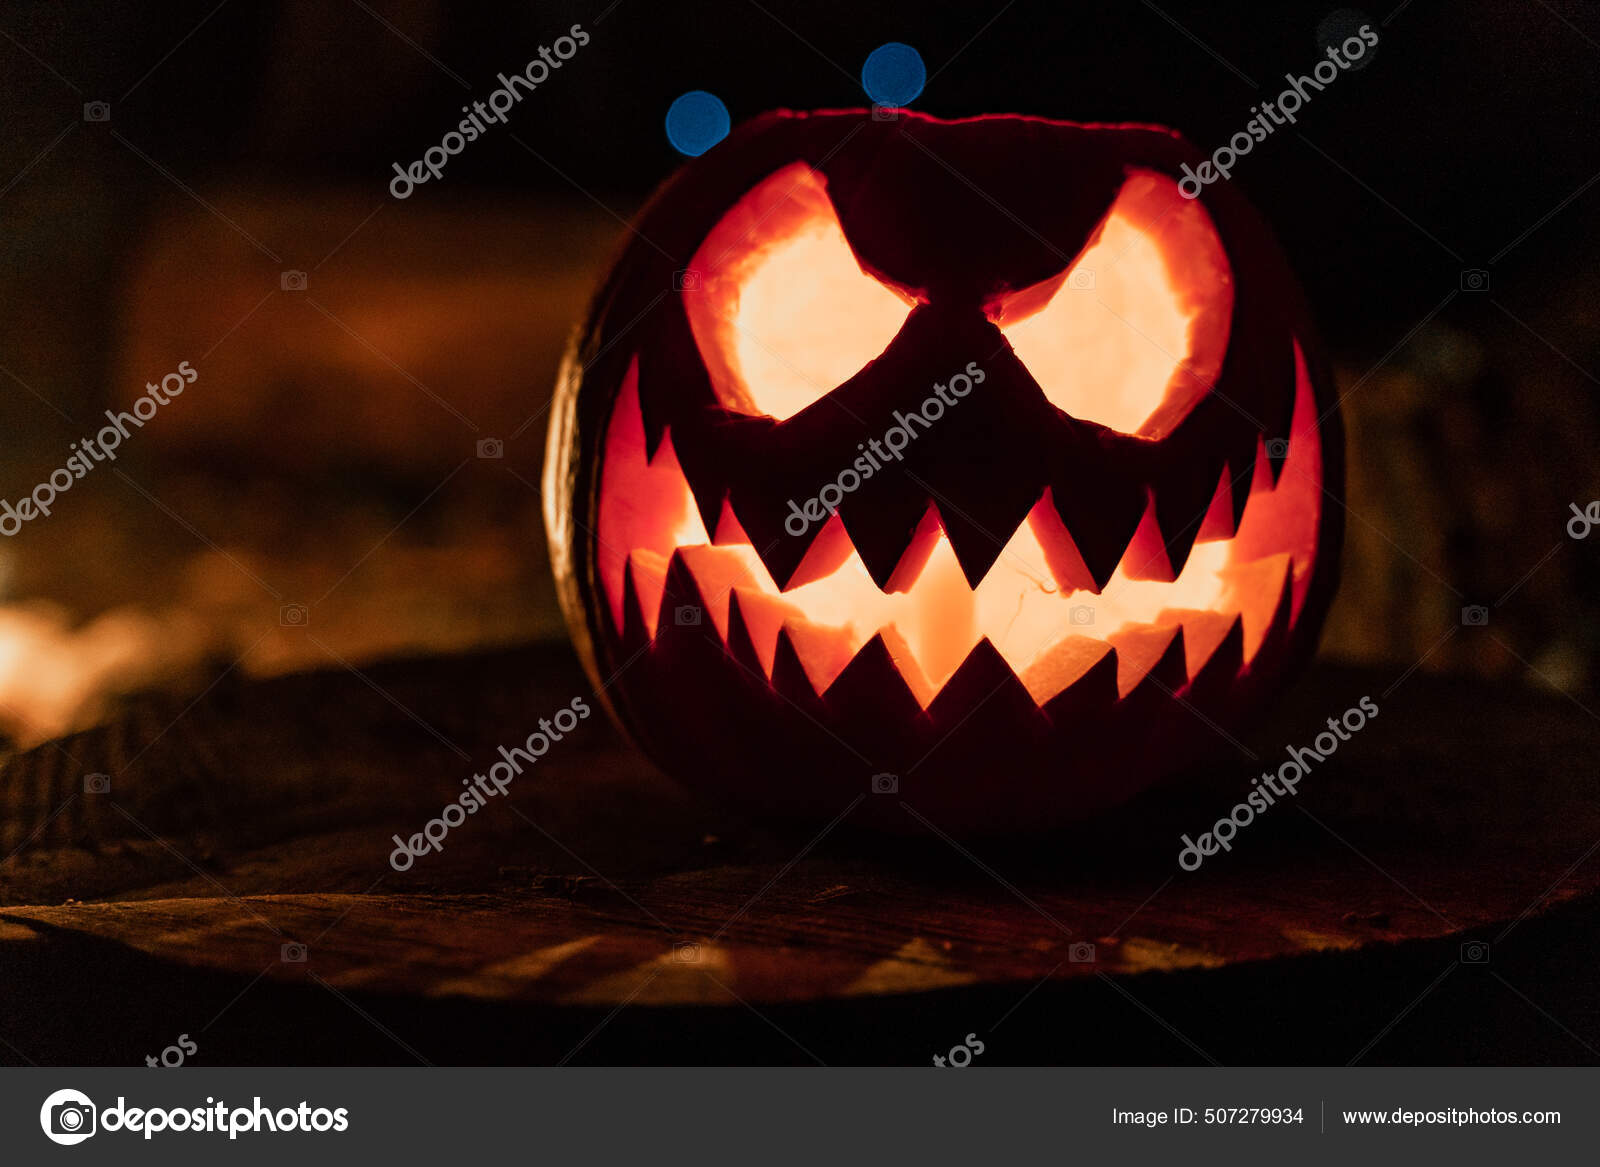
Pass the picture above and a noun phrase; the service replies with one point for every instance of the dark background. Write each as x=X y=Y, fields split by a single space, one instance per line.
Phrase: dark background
x=246 y=139
x=318 y=499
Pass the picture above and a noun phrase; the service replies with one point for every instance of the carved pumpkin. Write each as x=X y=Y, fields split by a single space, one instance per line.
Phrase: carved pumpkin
x=1106 y=548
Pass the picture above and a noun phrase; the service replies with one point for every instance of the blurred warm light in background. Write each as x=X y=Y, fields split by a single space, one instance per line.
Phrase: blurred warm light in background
x=311 y=464
x=182 y=621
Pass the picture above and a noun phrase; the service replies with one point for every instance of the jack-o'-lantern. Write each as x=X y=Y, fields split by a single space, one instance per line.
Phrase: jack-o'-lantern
x=971 y=453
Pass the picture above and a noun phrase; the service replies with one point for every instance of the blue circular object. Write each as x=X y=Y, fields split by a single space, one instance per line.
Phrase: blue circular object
x=894 y=74
x=696 y=122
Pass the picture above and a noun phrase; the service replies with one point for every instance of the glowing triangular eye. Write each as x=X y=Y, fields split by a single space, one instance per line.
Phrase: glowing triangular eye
x=1133 y=334
x=780 y=309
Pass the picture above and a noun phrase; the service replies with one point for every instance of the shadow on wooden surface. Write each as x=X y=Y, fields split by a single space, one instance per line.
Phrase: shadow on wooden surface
x=234 y=884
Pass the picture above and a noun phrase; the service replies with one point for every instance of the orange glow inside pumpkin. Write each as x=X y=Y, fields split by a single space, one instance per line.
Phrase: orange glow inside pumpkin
x=785 y=314
x=1022 y=606
x=1134 y=332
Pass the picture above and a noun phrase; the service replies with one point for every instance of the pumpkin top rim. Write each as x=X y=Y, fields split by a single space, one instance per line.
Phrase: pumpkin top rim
x=902 y=113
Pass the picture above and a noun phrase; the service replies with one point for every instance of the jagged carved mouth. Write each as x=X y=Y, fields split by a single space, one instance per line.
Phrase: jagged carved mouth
x=1037 y=606
x=1132 y=336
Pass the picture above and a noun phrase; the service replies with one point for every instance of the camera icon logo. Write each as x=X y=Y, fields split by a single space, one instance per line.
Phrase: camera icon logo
x=687 y=616
x=1475 y=952
x=687 y=280
x=1278 y=449
x=885 y=784
x=67 y=1117
x=1081 y=953
x=1081 y=280
x=1080 y=614
x=885 y=113
x=293 y=281
x=294 y=615
x=97 y=111
x=1474 y=615
x=1474 y=279
x=491 y=448
x=97 y=784
x=292 y=953
x=686 y=952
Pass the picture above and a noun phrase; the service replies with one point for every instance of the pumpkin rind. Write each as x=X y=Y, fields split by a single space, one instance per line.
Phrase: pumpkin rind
x=727 y=705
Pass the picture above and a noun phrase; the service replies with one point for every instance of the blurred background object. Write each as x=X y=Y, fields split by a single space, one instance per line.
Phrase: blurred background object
x=354 y=474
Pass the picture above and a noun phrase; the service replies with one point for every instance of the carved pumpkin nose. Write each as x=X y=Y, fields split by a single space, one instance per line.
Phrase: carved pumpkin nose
x=974 y=433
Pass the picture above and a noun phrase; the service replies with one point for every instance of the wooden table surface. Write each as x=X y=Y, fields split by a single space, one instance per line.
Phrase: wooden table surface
x=599 y=915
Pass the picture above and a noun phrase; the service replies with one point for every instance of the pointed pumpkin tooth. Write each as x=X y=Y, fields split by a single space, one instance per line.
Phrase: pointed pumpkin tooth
x=1242 y=476
x=636 y=633
x=789 y=679
x=1183 y=499
x=712 y=457
x=1220 y=672
x=917 y=554
x=883 y=535
x=1258 y=588
x=1062 y=665
x=827 y=553
x=984 y=494
x=650 y=368
x=683 y=605
x=910 y=668
x=728 y=532
x=1101 y=523
x=1203 y=633
x=1089 y=699
x=1146 y=650
x=1159 y=687
x=824 y=649
x=701 y=472
x=1060 y=552
x=1276 y=451
x=978 y=543
x=986 y=683
x=1275 y=640
x=981 y=705
x=763 y=616
x=1220 y=521
x=780 y=550
x=686 y=642
x=709 y=504
x=1261 y=482
x=673 y=382
x=872 y=681
x=741 y=645
x=716 y=573
x=1146 y=556
x=649 y=573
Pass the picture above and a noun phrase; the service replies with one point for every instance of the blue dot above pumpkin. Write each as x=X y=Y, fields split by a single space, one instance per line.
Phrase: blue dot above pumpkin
x=697 y=121
x=894 y=74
